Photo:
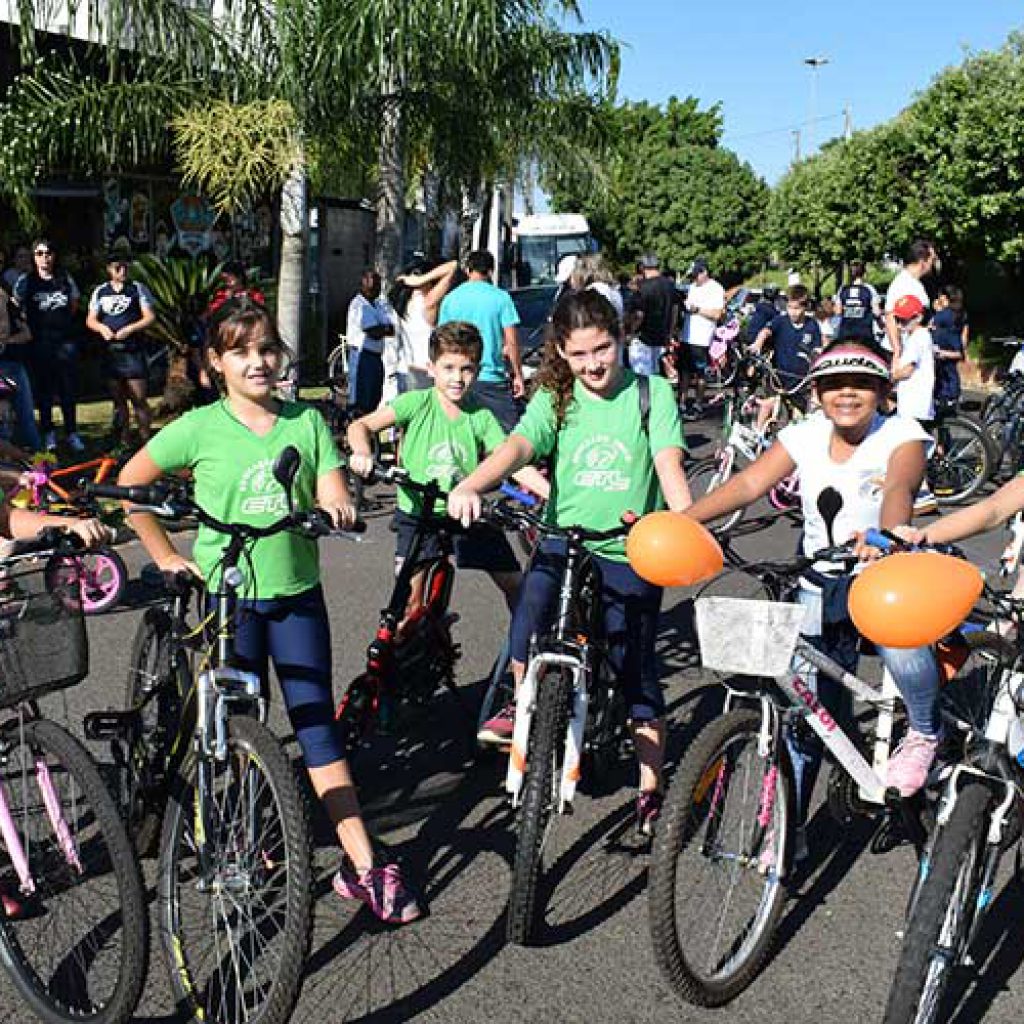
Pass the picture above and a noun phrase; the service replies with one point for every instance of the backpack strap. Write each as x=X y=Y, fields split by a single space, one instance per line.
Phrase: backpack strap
x=643 y=384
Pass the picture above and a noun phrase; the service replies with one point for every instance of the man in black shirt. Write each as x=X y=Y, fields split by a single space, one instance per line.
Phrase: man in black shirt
x=657 y=305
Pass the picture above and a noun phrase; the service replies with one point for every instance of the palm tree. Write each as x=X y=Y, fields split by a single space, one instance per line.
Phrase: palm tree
x=463 y=81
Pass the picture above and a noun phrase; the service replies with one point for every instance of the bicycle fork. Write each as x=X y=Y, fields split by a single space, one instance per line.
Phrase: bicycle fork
x=12 y=840
x=526 y=702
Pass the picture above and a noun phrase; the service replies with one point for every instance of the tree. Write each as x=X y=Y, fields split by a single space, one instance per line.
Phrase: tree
x=660 y=181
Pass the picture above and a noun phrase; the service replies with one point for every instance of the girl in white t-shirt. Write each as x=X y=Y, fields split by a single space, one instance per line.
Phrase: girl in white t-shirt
x=876 y=464
x=914 y=371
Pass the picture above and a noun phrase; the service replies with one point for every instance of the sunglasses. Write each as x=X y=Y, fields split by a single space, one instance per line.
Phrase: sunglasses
x=44 y=252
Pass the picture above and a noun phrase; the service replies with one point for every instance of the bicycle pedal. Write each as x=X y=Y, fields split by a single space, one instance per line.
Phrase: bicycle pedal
x=108 y=725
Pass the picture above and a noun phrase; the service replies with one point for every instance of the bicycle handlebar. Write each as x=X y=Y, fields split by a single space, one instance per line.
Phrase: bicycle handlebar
x=52 y=538
x=168 y=500
x=502 y=514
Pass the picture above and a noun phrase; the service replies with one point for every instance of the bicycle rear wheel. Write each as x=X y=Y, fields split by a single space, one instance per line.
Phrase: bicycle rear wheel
x=236 y=929
x=76 y=949
x=940 y=922
x=961 y=461
x=716 y=893
x=540 y=802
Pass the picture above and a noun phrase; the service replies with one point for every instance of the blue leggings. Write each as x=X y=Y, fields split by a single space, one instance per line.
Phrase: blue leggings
x=294 y=632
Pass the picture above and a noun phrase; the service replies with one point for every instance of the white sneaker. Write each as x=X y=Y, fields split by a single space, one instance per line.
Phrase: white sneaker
x=75 y=443
x=50 y=441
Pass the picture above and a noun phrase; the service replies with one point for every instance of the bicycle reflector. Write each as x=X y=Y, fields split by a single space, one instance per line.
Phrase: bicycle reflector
x=914 y=598
x=669 y=549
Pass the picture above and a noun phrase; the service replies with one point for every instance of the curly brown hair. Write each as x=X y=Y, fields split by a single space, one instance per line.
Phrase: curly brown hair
x=574 y=312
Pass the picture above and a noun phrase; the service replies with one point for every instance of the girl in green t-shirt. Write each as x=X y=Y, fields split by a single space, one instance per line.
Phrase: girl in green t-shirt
x=229 y=449
x=586 y=419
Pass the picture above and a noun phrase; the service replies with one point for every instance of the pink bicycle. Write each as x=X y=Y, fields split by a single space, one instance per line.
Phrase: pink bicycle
x=101 y=572
x=73 y=921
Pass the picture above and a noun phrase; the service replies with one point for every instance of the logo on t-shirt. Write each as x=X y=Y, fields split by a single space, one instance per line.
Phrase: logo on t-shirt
x=444 y=460
x=115 y=305
x=47 y=302
x=602 y=463
x=871 y=486
x=262 y=494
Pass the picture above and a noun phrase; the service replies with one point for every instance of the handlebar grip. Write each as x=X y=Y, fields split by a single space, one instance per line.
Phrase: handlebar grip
x=518 y=494
x=137 y=495
x=877 y=539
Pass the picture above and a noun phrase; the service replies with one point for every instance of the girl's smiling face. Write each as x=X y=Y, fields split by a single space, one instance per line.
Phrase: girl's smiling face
x=251 y=370
x=849 y=400
x=594 y=357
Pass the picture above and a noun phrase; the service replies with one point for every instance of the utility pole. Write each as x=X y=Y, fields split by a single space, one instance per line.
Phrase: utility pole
x=815 y=64
x=847 y=122
x=796 y=145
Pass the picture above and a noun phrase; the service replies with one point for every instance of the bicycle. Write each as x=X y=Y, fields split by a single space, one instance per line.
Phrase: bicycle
x=42 y=485
x=744 y=441
x=73 y=923
x=979 y=821
x=193 y=747
x=723 y=849
x=568 y=711
x=413 y=654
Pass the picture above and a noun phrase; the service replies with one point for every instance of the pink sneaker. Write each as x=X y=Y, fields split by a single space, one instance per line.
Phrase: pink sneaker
x=910 y=763
x=381 y=889
x=498 y=730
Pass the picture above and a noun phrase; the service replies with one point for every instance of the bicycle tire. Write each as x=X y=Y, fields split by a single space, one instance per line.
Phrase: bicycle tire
x=540 y=797
x=337 y=368
x=703 y=478
x=941 y=916
x=670 y=894
x=112 y=942
x=206 y=985
x=96 y=599
x=150 y=743
x=956 y=474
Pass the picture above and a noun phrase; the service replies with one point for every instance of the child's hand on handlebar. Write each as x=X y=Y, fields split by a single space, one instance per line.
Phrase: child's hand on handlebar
x=910 y=534
x=863 y=550
x=360 y=464
x=343 y=516
x=465 y=505
x=179 y=563
x=92 y=532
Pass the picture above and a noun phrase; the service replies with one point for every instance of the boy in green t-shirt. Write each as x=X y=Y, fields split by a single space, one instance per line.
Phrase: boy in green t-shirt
x=444 y=432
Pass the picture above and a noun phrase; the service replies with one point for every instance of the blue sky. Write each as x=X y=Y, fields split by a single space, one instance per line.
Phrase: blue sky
x=748 y=55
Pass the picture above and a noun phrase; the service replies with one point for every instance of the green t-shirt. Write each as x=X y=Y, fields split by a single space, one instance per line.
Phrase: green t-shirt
x=231 y=468
x=436 y=447
x=602 y=465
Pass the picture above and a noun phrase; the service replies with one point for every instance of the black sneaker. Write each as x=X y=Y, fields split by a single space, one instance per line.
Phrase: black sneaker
x=648 y=811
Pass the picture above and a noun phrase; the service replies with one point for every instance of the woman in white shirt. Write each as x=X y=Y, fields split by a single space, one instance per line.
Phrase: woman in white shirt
x=876 y=463
x=416 y=299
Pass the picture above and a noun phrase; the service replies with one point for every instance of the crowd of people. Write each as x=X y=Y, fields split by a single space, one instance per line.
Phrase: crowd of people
x=600 y=435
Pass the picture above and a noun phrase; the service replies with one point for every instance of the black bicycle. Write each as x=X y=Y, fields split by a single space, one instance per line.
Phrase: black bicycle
x=235 y=881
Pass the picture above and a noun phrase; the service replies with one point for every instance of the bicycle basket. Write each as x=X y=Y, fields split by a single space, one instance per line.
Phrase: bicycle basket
x=43 y=644
x=745 y=637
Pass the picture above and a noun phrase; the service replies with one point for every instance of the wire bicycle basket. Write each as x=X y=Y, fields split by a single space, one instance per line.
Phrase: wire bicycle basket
x=43 y=642
x=747 y=637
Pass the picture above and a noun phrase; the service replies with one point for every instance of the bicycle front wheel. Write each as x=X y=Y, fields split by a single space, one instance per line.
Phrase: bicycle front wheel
x=76 y=948
x=961 y=460
x=703 y=478
x=540 y=802
x=716 y=888
x=235 y=885
x=940 y=922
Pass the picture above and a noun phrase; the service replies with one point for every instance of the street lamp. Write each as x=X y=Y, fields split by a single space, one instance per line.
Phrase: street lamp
x=815 y=64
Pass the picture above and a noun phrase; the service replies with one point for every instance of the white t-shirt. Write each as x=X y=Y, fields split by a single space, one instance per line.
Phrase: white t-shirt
x=914 y=396
x=709 y=295
x=904 y=283
x=363 y=314
x=859 y=480
x=415 y=331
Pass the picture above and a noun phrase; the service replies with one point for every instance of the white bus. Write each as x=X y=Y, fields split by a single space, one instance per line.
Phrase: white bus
x=543 y=239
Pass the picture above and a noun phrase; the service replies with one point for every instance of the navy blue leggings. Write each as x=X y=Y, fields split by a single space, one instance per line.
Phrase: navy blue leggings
x=294 y=632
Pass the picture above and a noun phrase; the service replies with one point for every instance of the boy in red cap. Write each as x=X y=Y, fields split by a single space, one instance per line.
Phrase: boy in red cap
x=914 y=374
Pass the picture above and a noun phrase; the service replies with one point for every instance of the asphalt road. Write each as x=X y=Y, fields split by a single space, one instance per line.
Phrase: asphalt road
x=446 y=820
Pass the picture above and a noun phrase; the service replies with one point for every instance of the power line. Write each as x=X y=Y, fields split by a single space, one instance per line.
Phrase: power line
x=728 y=137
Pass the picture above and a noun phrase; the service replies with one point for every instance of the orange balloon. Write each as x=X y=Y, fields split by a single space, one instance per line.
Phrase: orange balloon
x=669 y=549
x=914 y=598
